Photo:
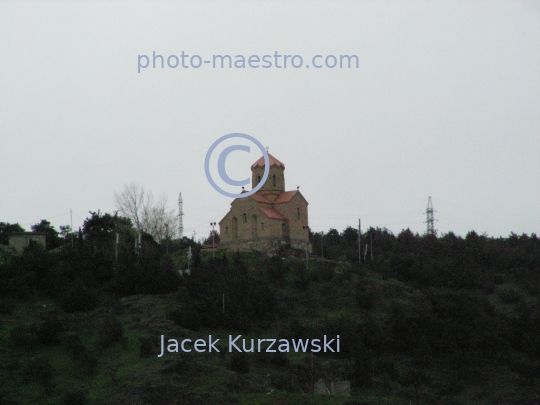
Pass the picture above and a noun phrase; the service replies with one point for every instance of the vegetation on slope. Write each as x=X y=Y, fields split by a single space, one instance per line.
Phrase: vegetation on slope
x=430 y=320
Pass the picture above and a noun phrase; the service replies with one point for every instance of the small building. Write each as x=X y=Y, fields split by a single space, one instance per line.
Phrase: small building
x=21 y=240
x=269 y=218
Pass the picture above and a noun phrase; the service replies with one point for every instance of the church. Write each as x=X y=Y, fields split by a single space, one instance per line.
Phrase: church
x=269 y=218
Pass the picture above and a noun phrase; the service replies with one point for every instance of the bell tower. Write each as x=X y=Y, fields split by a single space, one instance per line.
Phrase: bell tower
x=276 y=176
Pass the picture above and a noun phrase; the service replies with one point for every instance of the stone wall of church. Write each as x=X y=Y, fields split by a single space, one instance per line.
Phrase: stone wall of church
x=268 y=245
x=290 y=210
x=296 y=211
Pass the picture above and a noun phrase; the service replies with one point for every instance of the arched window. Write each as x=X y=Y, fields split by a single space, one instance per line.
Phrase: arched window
x=274 y=180
x=258 y=179
x=262 y=226
x=298 y=212
x=244 y=218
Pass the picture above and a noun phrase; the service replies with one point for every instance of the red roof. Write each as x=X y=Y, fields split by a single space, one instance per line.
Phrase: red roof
x=270 y=213
x=272 y=159
x=260 y=198
x=285 y=196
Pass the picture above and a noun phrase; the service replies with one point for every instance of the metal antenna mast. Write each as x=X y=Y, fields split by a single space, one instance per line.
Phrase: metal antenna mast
x=180 y=220
x=430 y=220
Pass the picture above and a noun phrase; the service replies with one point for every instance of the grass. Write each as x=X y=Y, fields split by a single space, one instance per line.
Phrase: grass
x=121 y=365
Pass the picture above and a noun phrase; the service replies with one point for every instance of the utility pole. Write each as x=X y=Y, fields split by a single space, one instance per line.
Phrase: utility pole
x=212 y=224
x=359 y=241
x=116 y=248
x=189 y=260
x=306 y=228
x=365 y=252
x=167 y=237
x=138 y=245
x=71 y=218
x=371 y=242
x=322 y=249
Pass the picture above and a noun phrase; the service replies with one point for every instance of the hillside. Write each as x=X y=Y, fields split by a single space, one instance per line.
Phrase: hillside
x=429 y=320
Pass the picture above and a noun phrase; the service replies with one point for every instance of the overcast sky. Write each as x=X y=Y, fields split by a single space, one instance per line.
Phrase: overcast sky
x=445 y=103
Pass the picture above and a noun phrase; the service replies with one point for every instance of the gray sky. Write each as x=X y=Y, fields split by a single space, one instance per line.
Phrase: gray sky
x=445 y=103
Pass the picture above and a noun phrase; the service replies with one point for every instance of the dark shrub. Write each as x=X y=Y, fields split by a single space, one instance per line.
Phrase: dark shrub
x=277 y=269
x=147 y=346
x=80 y=353
x=75 y=397
x=239 y=363
x=7 y=398
x=300 y=276
x=282 y=381
x=509 y=294
x=88 y=363
x=79 y=299
x=23 y=336
x=186 y=365
x=7 y=306
x=365 y=298
x=49 y=331
x=110 y=332
x=39 y=370
x=360 y=371
x=278 y=359
x=74 y=346
x=186 y=317
x=327 y=272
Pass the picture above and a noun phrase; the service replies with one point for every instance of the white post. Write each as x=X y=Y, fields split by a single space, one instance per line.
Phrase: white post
x=71 y=218
x=212 y=224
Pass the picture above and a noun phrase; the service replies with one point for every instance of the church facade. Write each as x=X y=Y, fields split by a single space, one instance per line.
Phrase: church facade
x=269 y=218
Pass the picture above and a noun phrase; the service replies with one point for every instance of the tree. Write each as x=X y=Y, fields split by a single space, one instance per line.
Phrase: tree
x=6 y=229
x=209 y=239
x=51 y=234
x=100 y=229
x=137 y=204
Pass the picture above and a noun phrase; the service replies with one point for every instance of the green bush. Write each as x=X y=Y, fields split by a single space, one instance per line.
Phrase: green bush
x=239 y=363
x=365 y=298
x=79 y=299
x=48 y=332
x=75 y=397
x=277 y=269
x=282 y=381
x=509 y=295
x=7 y=306
x=38 y=369
x=24 y=336
x=110 y=332
x=277 y=359
x=186 y=317
x=74 y=345
x=147 y=346
x=301 y=278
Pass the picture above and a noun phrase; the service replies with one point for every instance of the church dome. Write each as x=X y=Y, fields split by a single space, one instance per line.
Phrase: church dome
x=272 y=159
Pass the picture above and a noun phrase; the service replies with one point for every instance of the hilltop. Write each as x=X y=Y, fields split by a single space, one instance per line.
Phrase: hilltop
x=429 y=320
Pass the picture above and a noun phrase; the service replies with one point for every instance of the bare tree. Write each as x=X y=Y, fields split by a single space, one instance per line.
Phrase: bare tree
x=137 y=204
